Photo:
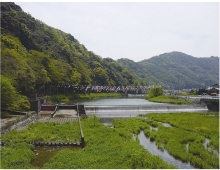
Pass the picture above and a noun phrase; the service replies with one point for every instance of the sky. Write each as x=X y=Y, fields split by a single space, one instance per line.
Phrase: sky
x=135 y=30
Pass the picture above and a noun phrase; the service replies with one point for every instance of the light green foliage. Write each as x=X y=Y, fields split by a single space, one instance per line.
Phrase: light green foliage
x=10 y=99
x=115 y=147
x=76 y=78
x=47 y=132
x=35 y=55
x=168 y=99
x=106 y=148
x=20 y=103
x=17 y=156
x=191 y=129
x=86 y=96
x=155 y=92
x=100 y=76
x=8 y=92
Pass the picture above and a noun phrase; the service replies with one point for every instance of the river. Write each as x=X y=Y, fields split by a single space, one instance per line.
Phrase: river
x=132 y=107
x=108 y=109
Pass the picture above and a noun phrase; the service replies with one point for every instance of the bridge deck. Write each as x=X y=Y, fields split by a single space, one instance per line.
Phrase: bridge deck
x=210 y=99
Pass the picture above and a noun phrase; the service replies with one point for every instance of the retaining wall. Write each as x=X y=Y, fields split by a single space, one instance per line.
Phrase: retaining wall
x=48 y=107
x=67 y=107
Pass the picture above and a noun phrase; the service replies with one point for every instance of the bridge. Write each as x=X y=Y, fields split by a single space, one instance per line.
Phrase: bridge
x=212 y=103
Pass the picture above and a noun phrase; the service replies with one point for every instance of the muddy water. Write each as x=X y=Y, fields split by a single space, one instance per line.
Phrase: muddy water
x=44 y=154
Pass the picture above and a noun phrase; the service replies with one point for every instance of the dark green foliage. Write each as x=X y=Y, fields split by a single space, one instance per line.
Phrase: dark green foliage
x=167 y=68
x=37 y=55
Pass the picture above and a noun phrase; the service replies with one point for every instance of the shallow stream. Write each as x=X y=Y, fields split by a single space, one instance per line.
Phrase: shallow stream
x=44 y=154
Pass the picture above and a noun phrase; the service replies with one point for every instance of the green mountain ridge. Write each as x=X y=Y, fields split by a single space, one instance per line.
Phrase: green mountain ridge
x=176 y=70
x=34 y=54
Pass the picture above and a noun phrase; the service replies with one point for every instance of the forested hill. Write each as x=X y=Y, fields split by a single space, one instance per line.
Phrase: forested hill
x=171 y=69
x=34 y=54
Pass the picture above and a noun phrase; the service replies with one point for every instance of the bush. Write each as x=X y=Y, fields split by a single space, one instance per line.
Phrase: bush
x=156 y=91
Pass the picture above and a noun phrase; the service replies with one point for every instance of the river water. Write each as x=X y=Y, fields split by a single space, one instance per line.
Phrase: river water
x=132 y=107
x=108 y=109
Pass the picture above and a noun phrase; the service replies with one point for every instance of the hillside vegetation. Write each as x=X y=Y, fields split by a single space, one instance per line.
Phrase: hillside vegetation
x=34 y=54
x=176 y=69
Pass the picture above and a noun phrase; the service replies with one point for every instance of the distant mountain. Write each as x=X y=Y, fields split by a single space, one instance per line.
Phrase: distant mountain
x=34 y=55
x=176 y=69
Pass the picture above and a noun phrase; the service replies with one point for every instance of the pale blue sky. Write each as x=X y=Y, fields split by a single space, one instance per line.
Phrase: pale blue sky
x=135 y=30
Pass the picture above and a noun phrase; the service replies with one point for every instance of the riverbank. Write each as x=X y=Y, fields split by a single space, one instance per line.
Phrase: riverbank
x=169 y=99
x=183 y=138
x=78 y=97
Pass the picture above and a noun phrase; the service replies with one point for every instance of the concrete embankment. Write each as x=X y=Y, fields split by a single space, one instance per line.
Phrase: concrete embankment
x=192 y=99
x=165 y=107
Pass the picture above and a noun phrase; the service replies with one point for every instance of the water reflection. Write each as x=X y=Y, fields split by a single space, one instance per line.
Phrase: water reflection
x=206 y=145
x=152 y=148
x=107 y=116
x=107 y=121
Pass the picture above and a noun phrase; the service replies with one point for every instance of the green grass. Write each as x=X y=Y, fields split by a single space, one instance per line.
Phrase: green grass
x=191 y=129
x=168 y=99
x=116 y=148
x=105 y=148
x=88 y=96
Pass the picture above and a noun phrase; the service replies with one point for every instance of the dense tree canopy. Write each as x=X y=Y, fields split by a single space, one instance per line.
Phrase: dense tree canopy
x=35 y=54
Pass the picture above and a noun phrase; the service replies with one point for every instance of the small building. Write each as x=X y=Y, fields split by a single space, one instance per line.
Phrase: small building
x=214 y=89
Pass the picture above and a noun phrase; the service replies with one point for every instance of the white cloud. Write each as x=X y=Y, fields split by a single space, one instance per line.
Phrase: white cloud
x=135 y=30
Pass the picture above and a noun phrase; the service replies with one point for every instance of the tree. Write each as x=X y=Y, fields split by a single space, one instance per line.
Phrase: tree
x=154 y=92
x=10 y=99
x=101 y=76
x=75 y=78
x=8 y=92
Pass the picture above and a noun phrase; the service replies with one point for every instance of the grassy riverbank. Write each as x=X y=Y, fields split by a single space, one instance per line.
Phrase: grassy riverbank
x=105 y=148
x=118 y=147
x=168 y=99
x=186 y=137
